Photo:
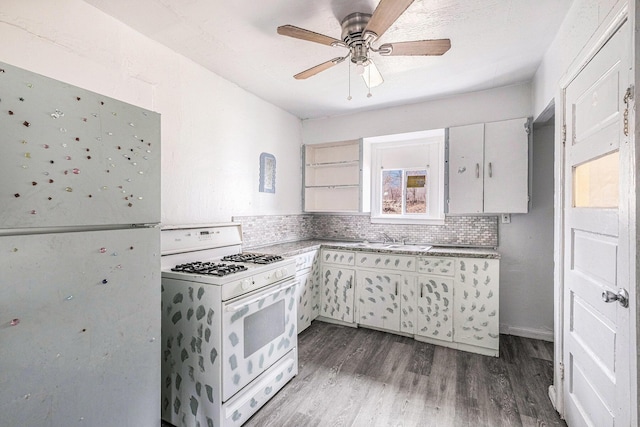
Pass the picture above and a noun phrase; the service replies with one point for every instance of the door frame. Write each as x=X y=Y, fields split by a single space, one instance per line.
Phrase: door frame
x=624 y=11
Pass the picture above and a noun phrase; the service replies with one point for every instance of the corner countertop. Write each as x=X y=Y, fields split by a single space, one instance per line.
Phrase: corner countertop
x=290 y=249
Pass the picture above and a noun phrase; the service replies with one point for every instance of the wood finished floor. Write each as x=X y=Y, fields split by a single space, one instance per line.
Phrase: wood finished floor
x=360 y=377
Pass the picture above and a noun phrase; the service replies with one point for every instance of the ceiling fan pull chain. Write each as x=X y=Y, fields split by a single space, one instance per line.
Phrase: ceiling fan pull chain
x=349 y=70
x=369 y=95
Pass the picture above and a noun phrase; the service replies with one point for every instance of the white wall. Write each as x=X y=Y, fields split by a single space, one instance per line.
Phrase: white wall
x=581 y=22
x=212 y=131
x=526 y=246
x=503 y=103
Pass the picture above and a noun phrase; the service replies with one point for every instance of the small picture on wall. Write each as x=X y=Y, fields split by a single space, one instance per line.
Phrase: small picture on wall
x=267 y=173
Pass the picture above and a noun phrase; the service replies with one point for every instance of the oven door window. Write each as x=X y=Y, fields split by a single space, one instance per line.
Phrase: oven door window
x=257 y=330
x=262 y=327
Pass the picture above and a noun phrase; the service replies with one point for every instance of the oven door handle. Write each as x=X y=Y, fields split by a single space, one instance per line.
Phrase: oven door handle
x=240 y=304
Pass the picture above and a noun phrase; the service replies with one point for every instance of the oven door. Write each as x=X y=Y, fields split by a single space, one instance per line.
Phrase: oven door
x=257 y=330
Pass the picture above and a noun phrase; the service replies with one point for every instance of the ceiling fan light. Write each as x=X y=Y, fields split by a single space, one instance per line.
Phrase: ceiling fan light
x=359 y=69
x=372 y=76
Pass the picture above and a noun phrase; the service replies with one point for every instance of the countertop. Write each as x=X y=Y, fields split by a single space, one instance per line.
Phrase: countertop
x=289 y=249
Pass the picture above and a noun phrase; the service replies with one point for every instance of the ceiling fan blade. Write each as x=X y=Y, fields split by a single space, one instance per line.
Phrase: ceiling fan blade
x=386 y=14
x=315 y=70
x=301 y=33
x=418 y=47
x=371 y=75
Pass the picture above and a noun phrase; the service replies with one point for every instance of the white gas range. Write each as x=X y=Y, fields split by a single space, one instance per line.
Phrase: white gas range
x=229 y=335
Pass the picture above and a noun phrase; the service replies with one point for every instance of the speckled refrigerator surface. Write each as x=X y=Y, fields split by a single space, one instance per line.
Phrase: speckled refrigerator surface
x=72 y=157
x=79 y=324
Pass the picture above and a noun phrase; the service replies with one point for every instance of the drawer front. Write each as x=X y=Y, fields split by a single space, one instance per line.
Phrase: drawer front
x=305 y=260
x=386 y=261
x=330 y=256
x=439 y=266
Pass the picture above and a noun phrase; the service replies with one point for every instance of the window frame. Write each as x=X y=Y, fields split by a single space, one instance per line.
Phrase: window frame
x=434 y=165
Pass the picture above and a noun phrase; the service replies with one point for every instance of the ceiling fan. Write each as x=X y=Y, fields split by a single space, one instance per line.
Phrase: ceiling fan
x=359 y=32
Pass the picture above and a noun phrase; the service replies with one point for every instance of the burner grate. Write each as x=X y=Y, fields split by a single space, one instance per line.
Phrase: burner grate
x=209 y=268
x=254 y=258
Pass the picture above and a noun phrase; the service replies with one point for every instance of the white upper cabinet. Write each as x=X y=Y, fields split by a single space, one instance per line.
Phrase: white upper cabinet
x=488 y=167
x=466 y=169
x=332 y=177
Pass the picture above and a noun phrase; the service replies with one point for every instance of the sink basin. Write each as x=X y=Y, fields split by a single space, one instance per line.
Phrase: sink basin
x=391 y=246
x=409 y=247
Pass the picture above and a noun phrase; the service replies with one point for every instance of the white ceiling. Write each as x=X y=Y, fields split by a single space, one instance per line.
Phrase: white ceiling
x=494 y=43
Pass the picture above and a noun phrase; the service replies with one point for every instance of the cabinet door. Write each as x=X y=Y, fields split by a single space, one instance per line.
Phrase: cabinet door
x=408 y=300
x=378 y=300
x=466 y=168
x=506 y=175
x=337 y=293
x=476 y=302
x=435 y=302
x=304 y=292
x=315 y=287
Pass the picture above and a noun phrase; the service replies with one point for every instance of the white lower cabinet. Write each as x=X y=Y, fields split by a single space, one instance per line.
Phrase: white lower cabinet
x=307 y=292
x=337 y=286
x=378 y=299
x=303 y=296
x=435 y=308
x=408 y=305
x=447 y=301
x=476 y=302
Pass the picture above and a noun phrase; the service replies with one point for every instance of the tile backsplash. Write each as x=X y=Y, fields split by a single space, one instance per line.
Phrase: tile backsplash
x=481 y=231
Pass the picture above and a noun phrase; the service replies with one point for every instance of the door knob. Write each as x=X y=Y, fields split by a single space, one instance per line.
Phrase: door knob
x=622 y=297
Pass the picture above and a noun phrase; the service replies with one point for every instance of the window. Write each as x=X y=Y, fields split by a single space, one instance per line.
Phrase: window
x=404 y=192
x=407 y=177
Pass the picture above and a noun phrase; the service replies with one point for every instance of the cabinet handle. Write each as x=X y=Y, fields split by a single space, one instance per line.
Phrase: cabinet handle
x=396 y=288
x=490 y=170
x=477 y=170
x=421 y=289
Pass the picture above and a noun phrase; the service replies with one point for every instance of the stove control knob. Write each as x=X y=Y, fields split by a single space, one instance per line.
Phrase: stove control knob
x=280 y=273
x=246 y=284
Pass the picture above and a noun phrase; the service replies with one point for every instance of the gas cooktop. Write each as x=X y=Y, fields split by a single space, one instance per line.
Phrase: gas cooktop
x=209 y=268
x=254 y=258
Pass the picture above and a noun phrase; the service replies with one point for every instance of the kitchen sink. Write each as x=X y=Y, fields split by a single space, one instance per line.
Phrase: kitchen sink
x=409 y=247
x=390 y=246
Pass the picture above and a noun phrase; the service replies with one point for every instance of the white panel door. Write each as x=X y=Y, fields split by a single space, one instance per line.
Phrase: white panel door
x=597 y=390
x=466 y=170
x=506 y=175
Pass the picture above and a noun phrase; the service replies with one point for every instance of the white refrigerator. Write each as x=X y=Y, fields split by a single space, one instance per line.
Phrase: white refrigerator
x=79 y=257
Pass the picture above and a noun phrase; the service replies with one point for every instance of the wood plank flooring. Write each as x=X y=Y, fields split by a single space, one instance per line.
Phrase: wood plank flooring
x=361 y=377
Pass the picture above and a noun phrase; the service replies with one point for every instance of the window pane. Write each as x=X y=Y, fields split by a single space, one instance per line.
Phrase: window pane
x=596 y=183
x=392 y=192
x=416 y=191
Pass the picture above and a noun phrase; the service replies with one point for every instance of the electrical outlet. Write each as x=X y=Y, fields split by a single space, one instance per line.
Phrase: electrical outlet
x=506 y=218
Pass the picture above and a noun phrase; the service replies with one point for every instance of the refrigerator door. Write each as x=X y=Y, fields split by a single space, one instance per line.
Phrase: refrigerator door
x=80 y=329
x=71 y=157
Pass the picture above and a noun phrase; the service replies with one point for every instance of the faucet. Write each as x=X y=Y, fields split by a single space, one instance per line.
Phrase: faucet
x=387 y=239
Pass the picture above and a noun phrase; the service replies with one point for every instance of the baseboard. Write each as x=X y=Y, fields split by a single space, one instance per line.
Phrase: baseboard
x=553 y=397
x=537 y=334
